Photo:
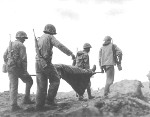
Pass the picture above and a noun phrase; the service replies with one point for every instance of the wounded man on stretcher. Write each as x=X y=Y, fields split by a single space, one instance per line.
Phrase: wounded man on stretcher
x=78 y=78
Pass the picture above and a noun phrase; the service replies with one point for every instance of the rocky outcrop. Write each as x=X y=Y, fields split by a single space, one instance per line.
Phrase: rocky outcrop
x=126 y=99
x=127 y=87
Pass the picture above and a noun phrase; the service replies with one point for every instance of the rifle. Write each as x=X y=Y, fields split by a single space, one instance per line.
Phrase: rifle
x=74 y=61
x=10 y=48
x=118 y=58
x=6 y=57
x=43 y=62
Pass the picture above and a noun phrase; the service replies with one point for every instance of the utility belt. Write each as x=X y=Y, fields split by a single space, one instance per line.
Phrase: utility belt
x=44 y=62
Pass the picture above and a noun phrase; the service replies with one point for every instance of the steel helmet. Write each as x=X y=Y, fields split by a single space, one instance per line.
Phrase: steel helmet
x=21 y=34
x=107 y=38
x=87 y=45
x=50 y=29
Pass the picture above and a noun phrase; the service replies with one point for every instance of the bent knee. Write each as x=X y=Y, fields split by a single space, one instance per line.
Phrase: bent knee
x=29 y=81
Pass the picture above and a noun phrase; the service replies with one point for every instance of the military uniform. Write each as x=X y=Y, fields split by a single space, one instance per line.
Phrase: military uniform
x=107 y=62
x=46 y=43
x=17 y=68
x=83 y=62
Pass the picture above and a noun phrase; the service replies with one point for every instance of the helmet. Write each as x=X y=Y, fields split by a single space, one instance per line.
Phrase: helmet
x=21 y=34
x=50 y=29
x=107 y=38
x=87 y=45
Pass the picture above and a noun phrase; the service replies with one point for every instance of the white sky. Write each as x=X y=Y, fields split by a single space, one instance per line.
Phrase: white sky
x=78 y=22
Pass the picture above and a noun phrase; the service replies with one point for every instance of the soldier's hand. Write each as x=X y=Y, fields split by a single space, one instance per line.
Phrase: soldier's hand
x=93 y=73
x=102 y=70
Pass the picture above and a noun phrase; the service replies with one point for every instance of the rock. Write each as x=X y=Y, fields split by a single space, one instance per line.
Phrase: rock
x=127 y=87
x=124 y=100
x=83 y=112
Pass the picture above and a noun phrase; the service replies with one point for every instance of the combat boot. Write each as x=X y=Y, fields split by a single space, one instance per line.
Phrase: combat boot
x=89 y=94
x=27 y=100
x=91 y=97
x=81 y=98
x=39 y=108
x=15 y=108
x=106 y=94
x=77 y=95
x=51 y=102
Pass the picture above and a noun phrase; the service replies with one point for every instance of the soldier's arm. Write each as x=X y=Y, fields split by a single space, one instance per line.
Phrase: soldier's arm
x=61 y=47
x=5 y=55
x=23 y=57
x=100 y=56
x=74 y=61
x=118 y=50
x=100 y=64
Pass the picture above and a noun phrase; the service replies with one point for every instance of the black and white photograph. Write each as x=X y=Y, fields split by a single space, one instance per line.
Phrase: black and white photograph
x=75 y=58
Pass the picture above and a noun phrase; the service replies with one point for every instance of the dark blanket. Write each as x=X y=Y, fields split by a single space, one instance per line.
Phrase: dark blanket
x=78 y=78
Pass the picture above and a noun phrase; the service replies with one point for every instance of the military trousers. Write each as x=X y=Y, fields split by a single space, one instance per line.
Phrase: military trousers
x=109 y=78
x=89 y=89
x=13 y=77
x=43 y=75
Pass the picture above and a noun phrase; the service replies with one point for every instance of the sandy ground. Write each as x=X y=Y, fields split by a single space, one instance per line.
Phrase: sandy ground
x=120 y=105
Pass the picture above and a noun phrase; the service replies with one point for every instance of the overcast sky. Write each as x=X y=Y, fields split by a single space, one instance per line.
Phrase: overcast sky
x=78 y=22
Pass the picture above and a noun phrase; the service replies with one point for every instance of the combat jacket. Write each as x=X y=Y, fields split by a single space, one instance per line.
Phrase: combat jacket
x=15 y=56
x=46 y=43
x=106 y=54
x=82 y=60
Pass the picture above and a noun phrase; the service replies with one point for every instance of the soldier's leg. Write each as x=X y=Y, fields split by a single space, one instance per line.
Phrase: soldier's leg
x=109 y=79
x=13 y=91
x=89 y=91
x=29 y=82
x=41 y=90
x=54 y=85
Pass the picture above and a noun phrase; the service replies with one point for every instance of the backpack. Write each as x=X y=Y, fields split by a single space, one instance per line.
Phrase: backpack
x=118 y=58
x=80 y=59
x=13 y=62
x=114 y=53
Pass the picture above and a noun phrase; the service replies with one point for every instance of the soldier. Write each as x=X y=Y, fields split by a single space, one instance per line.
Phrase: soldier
x=16 y=59
x=108 y=55
x=82 y=61
x=45 y=44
